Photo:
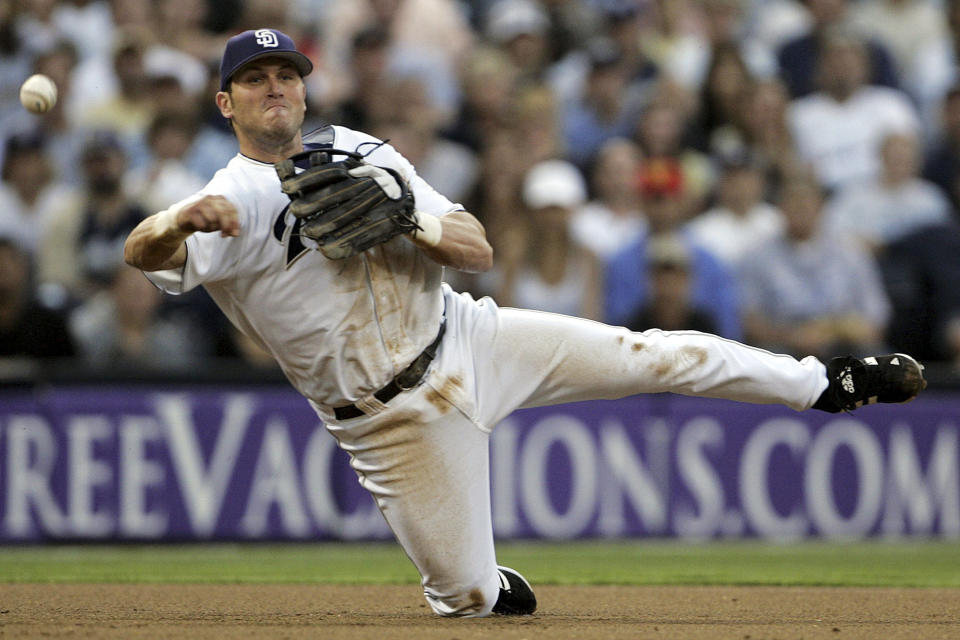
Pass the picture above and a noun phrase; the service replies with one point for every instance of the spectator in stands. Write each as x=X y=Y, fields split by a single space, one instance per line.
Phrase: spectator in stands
x=605 y=110
x=801 y=58
x=35 y=25
x=553 y=273
x=921 y=271
x=766 y=130
x=722 y=99
x=627 y=276
x=613 y=218
x=571 y=26
x=180 y=26
x=122 y=326
x=672 y=40
x=671 y=306
x=85 y=23
x=166 y=177
x=942 y=163
x=809 y=291
x=904 y=28
x=935 y=70
x=726 y=25
x=898 y=202
x=451 y=168
x=623 y=24
x=661 y=133
x=27 y=329
x=29 y=192
x=520 y=29
x=536 y=124
x=15 y=61
x=488 y=80
x=839 y=129
x=56 y=126
x=85 y=236
x=130 y=110
x=428 y=38
x=741 y=222
x=368 y=75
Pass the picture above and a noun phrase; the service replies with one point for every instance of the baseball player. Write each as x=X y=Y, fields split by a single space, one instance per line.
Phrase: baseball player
x=328 y=250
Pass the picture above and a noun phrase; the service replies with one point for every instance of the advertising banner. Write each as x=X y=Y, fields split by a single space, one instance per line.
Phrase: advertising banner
x=144 y=464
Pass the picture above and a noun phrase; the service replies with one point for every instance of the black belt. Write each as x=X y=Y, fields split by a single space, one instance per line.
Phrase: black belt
x=406 y=379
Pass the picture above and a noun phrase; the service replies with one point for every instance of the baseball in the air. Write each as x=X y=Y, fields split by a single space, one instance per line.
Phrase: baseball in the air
x=38 y=93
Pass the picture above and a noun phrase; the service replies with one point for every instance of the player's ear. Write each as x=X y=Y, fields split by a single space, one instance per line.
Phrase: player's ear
x=225 y=104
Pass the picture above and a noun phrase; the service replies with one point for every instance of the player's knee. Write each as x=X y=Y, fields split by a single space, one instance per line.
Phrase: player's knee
x=474 y=602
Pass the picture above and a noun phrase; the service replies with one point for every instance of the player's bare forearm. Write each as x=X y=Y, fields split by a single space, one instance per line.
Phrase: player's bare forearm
x=157 y=243
x=151 y=249
x=462 y=244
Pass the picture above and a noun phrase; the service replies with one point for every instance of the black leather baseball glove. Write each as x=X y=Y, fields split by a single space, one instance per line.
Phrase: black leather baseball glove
x=349 y=205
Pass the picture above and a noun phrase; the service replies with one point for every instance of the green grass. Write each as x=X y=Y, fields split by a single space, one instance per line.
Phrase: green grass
x=914 y=564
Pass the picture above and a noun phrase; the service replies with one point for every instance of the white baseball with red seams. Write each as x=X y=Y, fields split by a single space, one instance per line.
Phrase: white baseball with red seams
x=343 y=329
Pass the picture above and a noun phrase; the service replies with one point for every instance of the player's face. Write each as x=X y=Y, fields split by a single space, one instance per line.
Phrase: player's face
x=267 y=102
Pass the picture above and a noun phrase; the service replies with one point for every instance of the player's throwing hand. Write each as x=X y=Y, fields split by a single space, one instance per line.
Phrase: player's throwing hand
x=209 y=213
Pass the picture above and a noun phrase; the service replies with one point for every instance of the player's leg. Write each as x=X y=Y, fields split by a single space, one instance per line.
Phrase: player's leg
x=556 y=359
x=427 y=467
x=549 y=359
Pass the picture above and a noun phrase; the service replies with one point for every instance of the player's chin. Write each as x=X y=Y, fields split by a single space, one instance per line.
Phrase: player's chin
x=280 y=130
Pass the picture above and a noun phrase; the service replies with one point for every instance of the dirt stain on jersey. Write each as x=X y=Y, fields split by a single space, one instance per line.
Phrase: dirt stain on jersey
x=689 y=357
x=697 y=354
x=638 y=346
x=450 y=387
x=476 y=598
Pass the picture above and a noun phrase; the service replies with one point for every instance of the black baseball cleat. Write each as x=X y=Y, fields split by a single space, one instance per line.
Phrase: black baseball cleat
x=854 y=382
x=516 y=595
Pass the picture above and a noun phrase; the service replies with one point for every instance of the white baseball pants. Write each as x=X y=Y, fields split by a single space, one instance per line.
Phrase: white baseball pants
x=425 y=458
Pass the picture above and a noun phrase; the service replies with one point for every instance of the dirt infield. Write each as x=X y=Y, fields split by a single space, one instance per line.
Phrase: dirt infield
x=388 y=612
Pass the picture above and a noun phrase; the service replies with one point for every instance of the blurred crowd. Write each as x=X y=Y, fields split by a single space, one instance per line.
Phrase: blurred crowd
x=781 y=172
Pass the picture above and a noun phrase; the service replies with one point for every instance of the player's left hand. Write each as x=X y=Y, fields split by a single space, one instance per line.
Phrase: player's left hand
x=349 y=205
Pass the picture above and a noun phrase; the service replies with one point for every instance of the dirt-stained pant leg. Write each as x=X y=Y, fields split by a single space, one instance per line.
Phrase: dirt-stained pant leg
x=425 y=459
x=427 y=467
x=542 y=359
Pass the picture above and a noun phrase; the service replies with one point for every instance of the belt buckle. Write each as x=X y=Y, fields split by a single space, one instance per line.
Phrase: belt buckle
x=415 y=371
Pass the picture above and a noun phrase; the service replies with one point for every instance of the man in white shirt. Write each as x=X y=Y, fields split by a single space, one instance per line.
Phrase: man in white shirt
x=838 y=130
x=741 y=221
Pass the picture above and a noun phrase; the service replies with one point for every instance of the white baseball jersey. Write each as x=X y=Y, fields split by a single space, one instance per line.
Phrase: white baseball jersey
x=343 y=329
x=339 y=329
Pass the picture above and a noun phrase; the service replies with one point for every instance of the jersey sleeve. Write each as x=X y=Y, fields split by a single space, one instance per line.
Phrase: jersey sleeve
x=210 y=256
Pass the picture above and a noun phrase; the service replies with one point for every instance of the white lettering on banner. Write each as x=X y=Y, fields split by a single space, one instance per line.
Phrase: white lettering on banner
x=31 y=456
x=704 y=518
x=275 y=482
x=575 y=437
x=203 y=488
x=503 y=478
x=818 y=479
x=915 y=498
x=86 y=474
x=364 y=522
x=754 y=488
x=138 y=474
x=626 y=475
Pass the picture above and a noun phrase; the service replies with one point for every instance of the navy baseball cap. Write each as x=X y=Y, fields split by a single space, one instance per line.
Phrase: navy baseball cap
x=260 y=43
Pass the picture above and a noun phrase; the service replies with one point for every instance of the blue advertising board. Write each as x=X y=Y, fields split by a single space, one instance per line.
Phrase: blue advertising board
x=142 y=464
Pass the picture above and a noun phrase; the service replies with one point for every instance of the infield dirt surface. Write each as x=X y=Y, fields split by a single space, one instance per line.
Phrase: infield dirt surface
x=388 y=612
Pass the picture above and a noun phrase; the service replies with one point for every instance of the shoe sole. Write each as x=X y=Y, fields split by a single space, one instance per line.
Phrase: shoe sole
x=921 y=384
